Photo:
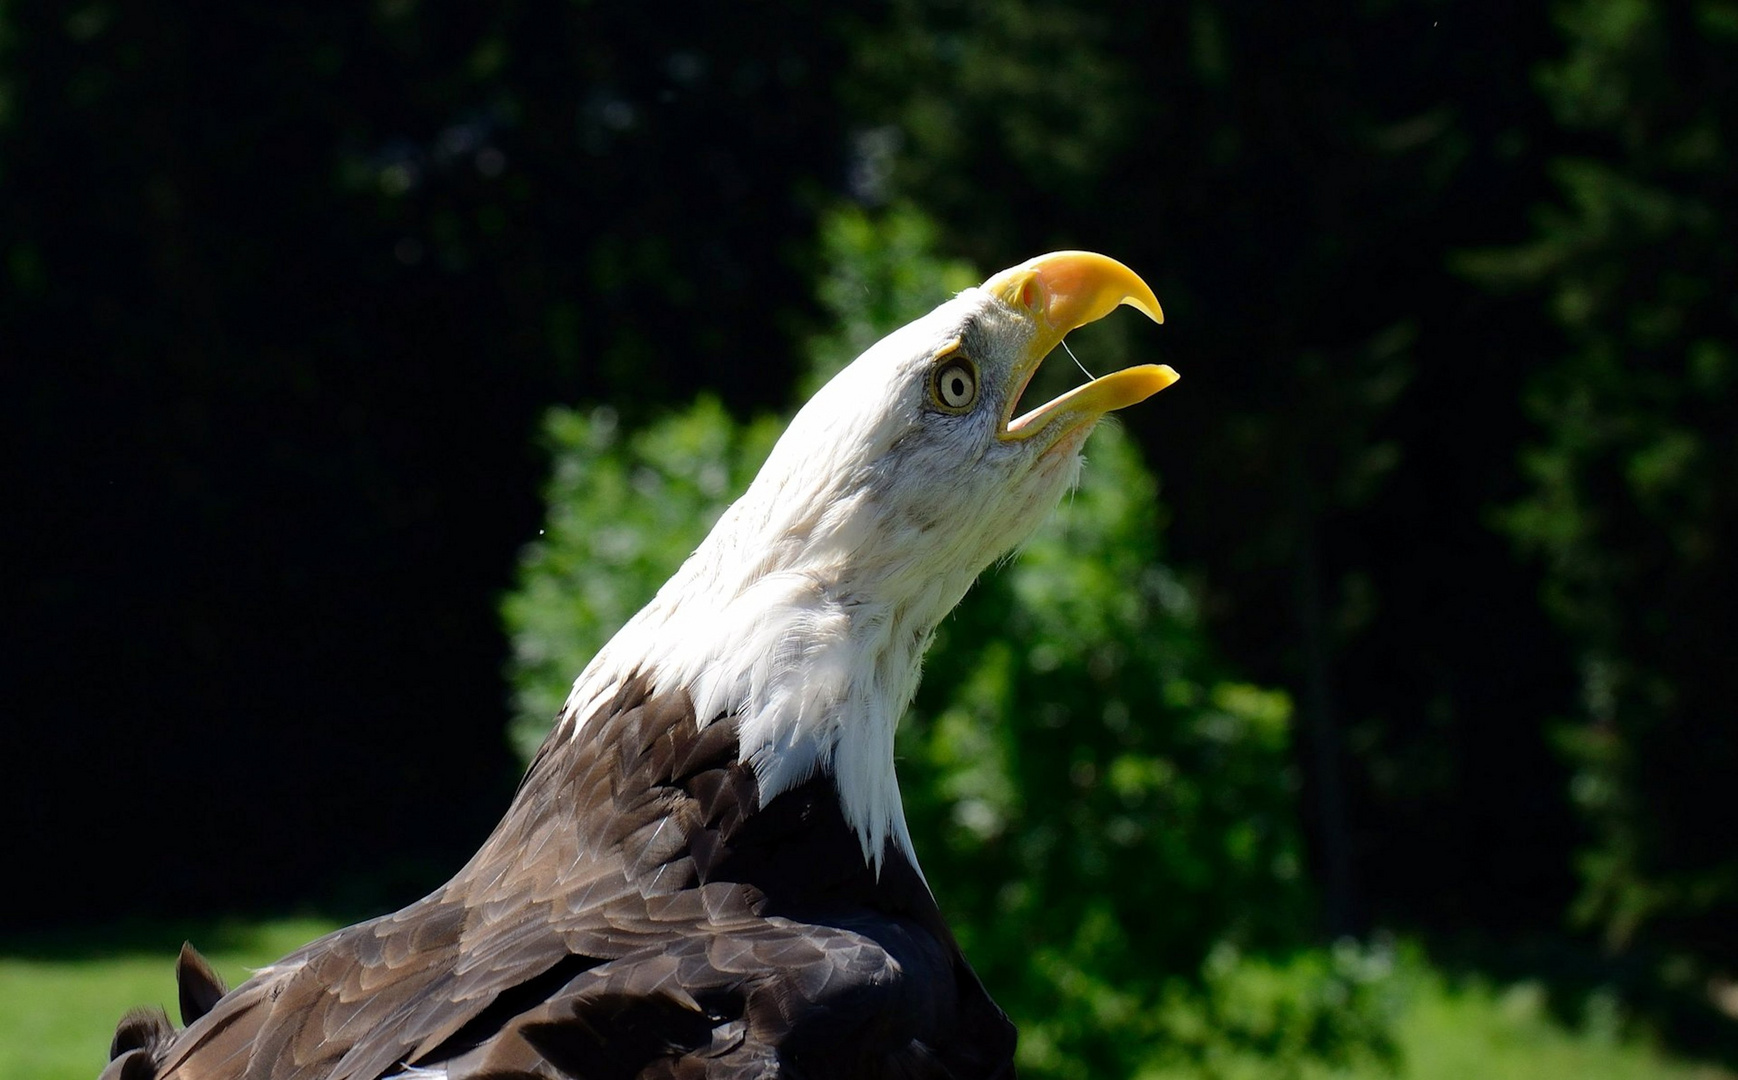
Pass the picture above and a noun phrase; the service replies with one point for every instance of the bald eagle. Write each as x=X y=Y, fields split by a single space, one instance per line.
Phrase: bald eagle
x=706 y=871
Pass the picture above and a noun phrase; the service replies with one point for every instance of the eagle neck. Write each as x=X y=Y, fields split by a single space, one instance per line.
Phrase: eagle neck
x=814 y=668
x=802 y=619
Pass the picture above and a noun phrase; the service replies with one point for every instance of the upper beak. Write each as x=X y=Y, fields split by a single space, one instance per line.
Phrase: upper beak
x=1061 y=292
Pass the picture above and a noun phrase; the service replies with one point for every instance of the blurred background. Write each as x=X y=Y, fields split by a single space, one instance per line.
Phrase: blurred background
x=1366 y=712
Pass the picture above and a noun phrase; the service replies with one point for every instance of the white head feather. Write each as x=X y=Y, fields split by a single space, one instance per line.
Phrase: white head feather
x=805 y=613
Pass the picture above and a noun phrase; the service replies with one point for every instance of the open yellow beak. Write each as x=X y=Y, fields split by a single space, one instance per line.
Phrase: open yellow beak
x=1061 y=292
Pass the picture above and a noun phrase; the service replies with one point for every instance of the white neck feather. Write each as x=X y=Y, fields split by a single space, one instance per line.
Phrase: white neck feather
x=804 y=617
x=805 y=614
x=814 y=672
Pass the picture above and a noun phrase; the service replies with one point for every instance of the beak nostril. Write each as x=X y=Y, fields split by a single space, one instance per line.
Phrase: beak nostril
x=1029 y=295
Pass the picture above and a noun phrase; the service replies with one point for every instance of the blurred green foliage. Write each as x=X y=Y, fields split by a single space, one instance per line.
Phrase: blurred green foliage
x=1105 y=811
x=1110 y=815
x=1632 y=509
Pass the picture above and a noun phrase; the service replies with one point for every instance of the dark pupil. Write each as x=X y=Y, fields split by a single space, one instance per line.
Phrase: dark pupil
x=956 y=386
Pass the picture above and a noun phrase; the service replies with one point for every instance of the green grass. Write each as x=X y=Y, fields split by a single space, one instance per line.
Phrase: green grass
x=60 y=998
x=1464 y=1029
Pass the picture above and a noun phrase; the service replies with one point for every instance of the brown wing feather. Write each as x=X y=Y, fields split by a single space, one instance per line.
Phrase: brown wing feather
x=357 y=1002
x=197 y=985
x=637 y=911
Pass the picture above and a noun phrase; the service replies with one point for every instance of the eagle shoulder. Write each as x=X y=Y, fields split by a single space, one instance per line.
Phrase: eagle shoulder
x=637 y=907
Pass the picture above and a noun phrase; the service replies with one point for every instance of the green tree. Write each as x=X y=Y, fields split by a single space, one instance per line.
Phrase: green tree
x=1632 y=510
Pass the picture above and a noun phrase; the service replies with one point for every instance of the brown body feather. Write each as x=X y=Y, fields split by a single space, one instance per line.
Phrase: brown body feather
x=636 y=914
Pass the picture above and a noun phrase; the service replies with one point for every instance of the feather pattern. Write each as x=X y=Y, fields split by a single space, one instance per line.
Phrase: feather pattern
x=637 y=913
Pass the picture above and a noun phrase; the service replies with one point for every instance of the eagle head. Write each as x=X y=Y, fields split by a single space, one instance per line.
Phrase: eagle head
x=803 y=616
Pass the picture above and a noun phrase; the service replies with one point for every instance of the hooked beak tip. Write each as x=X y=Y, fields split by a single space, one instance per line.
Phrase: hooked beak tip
x=1065 y=290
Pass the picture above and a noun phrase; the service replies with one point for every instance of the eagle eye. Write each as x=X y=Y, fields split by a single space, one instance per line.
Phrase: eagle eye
x=954 y=385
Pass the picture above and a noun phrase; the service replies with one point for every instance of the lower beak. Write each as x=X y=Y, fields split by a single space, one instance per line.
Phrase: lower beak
x=1061 y=292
